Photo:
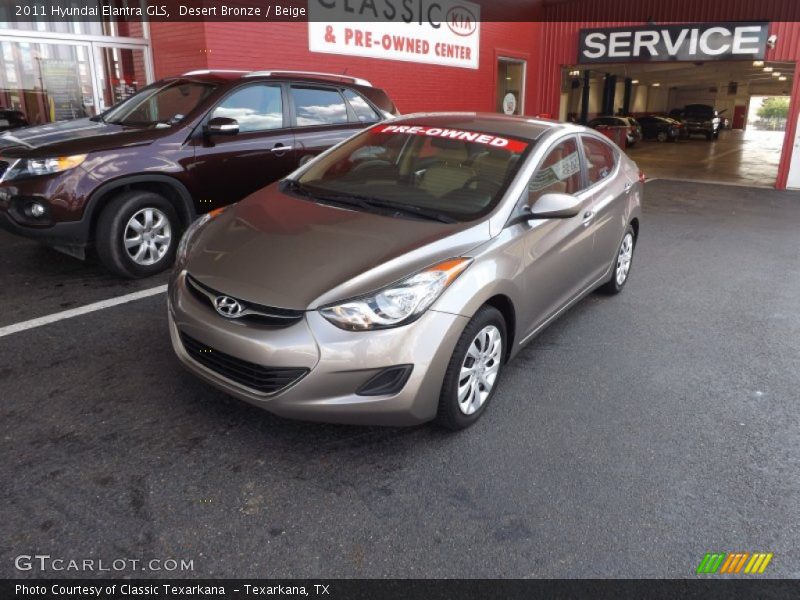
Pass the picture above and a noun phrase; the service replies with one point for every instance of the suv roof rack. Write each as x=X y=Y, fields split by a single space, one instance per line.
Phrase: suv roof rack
x=356 y=80
x=209 y=71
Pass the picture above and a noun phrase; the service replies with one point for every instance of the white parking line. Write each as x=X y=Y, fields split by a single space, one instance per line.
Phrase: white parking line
x=81 y=310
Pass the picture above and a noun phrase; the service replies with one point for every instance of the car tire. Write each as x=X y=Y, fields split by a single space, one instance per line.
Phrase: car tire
x=620 y=268
x=158 y=227
x=478 y=351
x=662 y=136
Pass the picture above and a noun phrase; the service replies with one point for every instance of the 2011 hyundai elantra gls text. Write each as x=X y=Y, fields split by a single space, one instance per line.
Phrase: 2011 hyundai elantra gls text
x=389 y=280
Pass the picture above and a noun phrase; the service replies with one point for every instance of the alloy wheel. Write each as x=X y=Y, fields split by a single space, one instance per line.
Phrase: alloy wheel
x=624 y=258
x=479 y=369
x=147 y=236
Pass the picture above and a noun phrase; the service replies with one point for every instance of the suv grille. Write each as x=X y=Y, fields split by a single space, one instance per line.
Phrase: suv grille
x=253 y=313
x=266 y=380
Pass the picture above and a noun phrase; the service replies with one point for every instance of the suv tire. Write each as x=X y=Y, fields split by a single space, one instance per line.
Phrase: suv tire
x=480 y=337
x=137 y=234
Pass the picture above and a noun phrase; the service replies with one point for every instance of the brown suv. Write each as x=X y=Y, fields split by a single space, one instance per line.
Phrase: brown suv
x=130 y=180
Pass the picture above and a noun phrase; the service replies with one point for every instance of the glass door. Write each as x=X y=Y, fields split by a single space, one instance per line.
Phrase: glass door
x=47 y=81
x=510 y=86
x=122 y=71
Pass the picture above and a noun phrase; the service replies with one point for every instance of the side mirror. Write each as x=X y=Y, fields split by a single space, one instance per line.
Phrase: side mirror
x=555 y=205
x=222 y=126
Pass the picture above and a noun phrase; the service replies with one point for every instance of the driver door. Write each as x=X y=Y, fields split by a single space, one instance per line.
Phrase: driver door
x=557 y=259
x=228 y=167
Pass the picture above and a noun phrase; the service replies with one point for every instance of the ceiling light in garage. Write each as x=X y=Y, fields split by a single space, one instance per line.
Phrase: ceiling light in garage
x=767 y=69
x=758 y=63
x=776 y=74
x=656 y=84
x=634 y=81
x=782 y=78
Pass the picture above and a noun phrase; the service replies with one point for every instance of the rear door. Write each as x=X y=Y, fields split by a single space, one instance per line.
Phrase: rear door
x=321 y=118
x=227 y=168
x=558 y=252
x=609 y=189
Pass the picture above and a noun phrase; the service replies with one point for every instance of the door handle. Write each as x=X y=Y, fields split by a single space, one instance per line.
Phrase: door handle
x=587 y=217
x=628 y=187
x=280 y=148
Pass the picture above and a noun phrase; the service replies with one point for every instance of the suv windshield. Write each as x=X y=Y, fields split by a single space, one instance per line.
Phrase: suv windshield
x=161 y=103
x=415 y=170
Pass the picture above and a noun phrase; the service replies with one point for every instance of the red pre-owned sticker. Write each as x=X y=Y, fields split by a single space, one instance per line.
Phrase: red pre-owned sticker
x=455 y=134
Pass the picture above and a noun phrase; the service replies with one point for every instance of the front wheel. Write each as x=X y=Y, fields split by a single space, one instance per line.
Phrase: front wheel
x=622 y=264
x=474 y=370
x=137 y=234
x=662 y=136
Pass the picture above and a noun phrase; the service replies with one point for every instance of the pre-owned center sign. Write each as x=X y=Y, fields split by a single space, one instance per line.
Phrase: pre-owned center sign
x=440 y=32
x=702 y=41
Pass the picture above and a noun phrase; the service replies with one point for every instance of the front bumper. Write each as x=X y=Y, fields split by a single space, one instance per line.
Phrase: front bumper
x=338 y=362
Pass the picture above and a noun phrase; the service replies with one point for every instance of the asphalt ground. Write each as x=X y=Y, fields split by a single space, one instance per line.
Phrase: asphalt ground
x=631 y=437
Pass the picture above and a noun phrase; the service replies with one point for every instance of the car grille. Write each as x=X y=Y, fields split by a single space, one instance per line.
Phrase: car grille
x=253 y=313
x=4 y=164
x=266 y=380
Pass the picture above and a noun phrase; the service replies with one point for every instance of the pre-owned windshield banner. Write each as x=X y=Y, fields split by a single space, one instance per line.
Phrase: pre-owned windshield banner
x=455 y=134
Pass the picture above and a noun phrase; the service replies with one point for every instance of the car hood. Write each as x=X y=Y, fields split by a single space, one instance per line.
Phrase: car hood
x=287 y=252
x=72 y=137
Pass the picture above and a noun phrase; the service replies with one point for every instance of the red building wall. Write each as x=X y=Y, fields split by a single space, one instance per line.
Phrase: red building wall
x=180 y=47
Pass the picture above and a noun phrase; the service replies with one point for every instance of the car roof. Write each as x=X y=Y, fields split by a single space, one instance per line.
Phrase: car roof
x=494 y=123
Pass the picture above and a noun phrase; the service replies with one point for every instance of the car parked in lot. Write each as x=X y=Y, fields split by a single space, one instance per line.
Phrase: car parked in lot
x=699 y=119
x=662 y=129
x=129 y=181
x=11 y=119
x=388 y=281
x=633 y=131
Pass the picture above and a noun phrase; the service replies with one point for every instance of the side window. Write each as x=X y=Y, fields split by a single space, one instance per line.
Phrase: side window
x=363 y=110
x=560 y=171
x=316 y=106
x=600 y=159
x=255 y=108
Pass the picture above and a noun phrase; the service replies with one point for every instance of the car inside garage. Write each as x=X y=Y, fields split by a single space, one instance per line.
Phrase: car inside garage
x=710 y=119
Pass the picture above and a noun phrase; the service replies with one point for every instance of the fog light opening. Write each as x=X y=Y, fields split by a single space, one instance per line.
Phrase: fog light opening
x=35 y=210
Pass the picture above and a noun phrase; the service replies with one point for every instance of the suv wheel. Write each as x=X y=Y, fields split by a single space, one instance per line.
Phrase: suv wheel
x=137 y=234
x=662 y=136
x=474 y=370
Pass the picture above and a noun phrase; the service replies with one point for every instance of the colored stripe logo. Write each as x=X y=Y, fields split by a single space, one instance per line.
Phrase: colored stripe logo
x=734 y=563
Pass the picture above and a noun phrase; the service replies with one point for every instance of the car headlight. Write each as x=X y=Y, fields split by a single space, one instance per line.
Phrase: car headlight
x=33 y=167
x=191 y=231
x=399 y=303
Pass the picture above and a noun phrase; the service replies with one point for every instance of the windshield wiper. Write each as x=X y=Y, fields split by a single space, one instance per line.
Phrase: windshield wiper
x=366 y=202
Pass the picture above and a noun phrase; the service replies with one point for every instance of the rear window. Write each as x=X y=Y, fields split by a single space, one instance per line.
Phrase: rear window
x=600 y=159
x=454 y=172
x=361 y=107
x=318 y=106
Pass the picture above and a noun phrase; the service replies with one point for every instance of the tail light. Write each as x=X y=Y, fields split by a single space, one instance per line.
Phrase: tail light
x=642 y=176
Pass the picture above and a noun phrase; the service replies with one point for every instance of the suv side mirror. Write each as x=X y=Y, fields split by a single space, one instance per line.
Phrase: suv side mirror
x=222 y=126
x=555 y=205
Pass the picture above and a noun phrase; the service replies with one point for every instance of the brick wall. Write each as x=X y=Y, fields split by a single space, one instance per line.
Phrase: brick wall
x=414 y=87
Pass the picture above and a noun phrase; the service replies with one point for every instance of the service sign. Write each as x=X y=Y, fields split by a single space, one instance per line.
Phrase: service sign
x=438 y=32
x=658 y=43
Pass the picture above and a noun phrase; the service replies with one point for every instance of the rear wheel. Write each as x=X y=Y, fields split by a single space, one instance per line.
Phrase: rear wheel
x=622 y=264
x=474 y=369
x=137 y=234
x=662 y=136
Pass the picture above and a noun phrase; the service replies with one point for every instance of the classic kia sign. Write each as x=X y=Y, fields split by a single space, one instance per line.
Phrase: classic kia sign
x=440 y=32
x=702 y=41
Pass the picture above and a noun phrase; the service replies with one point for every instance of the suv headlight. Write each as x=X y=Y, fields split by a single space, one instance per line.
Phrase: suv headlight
x=399 y=303
x=33 y=167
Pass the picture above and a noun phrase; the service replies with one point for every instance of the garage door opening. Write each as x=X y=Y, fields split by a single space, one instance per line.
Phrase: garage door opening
x=700 y=120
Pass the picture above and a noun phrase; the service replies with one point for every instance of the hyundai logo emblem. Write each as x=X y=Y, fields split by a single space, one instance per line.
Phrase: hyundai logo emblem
x=228 y=307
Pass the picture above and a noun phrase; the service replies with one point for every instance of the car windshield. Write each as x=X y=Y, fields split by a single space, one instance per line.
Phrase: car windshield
x=417 y=171
x=160 y=104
